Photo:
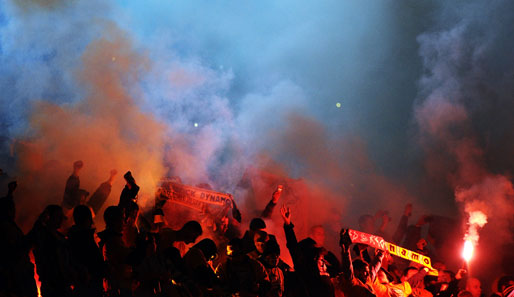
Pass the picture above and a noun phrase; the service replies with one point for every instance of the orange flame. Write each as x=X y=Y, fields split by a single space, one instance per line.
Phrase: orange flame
x=36 y=276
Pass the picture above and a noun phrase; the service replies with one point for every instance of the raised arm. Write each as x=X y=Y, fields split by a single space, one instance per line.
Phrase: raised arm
x=413 y=234
x=266 y=213
x=288 y=227
x=346 y=259
x=236 y=214
x=292 y=242
x=384 y=216
x=402 y=226
x=375 y=265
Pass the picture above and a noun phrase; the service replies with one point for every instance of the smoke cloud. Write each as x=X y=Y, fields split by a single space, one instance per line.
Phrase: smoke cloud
x=211 y=91
x=107 y=88
x=105 y=129
x=458 y=58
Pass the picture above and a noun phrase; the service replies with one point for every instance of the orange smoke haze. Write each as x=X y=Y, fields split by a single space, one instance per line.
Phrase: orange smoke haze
x=106 y=130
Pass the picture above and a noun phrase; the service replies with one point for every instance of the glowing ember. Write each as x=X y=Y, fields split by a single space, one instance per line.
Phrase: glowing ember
x=467 y=252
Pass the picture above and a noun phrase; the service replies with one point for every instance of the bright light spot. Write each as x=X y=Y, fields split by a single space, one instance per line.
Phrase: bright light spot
x=467 y=252
x=113 y=59
x=338 y=105
x=477 y=218
x=196 y=125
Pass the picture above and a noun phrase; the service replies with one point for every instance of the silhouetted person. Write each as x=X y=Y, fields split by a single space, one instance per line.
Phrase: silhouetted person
x=187 y=234
x=101 y=194
x=402 y=225
x=271 y=259
x=447 y=284
x=130 y=230
x=11 y=187
x=73 y=195
x=85 y=254
x=129 y=192
x=357 y=277
x=506 y=286
x=115 y=253
x=51 y=252
x=150 y=270
x=168 y=251
x=197 y=262
x=317 y=233
x=256 y=224
x=312 y=278
x=16 y=270
x=241 y=275
x=259 y=240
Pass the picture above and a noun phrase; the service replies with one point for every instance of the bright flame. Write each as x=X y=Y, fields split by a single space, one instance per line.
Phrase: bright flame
x=477 y=220
x=36 y=276
x=467 y=252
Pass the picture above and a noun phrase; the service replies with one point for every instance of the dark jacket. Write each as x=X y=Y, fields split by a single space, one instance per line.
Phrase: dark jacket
x=85 y=253
x=16 y=270
x=244 y=276
x=53 y=259
x=115 y=253
x=303 y=253
x=128 y=194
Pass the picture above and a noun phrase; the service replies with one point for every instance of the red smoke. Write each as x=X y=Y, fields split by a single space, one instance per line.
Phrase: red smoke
x=105 y=130
x=455 y=157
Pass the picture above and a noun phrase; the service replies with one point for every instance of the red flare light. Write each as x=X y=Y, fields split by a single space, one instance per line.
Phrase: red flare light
x=467 y=252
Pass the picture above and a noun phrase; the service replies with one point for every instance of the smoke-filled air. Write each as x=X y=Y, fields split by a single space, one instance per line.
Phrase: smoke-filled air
x=391 y=118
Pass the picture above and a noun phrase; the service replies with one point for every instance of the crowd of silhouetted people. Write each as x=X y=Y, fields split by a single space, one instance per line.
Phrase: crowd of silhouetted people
x=137 y=256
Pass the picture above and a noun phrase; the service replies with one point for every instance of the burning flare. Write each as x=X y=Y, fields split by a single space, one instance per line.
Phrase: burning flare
x=477 y=219
x=36 y=276
x=467 y=252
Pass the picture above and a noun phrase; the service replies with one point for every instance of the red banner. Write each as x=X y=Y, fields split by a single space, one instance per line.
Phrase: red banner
x=193 y=197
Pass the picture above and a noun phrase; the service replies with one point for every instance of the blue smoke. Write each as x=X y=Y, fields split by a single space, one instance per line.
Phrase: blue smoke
x=235 y=70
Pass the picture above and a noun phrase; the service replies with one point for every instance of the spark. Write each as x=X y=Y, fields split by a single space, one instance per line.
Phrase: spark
x=338 y=105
